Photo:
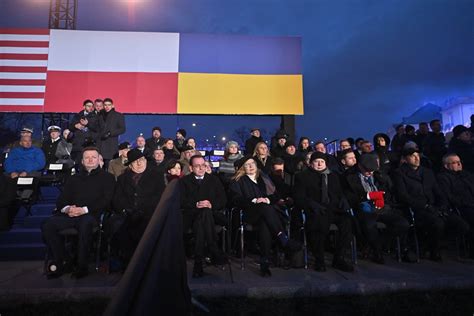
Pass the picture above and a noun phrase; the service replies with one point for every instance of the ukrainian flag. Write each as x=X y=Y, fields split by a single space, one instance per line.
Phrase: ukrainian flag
x=229 y=74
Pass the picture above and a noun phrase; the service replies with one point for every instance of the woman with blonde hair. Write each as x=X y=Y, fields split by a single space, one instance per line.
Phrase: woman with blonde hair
x=262 y=157
x=255 y=194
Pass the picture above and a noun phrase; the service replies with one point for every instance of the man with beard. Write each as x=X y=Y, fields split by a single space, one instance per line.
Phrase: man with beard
x=458 y=185
x=137 y=194
x=155 y=140
x=347 y=159
x=85 y=128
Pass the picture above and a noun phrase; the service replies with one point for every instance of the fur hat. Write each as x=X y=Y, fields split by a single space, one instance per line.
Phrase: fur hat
x=318 y=155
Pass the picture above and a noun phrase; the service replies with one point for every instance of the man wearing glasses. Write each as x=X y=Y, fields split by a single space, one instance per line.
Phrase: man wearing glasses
x=458 y=185
x=201 y=195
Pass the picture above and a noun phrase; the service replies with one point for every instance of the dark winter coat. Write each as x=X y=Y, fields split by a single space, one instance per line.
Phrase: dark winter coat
x=210 y=189
x=458 y=187
x=93 y=189
x=465 y=151
x=244 y=190
x=355 y=193
x=49 y=149
x=251 y=143
x=139 y=199
x=417 y=189
x=308 y=192
x=80 y=137
x=112 y=126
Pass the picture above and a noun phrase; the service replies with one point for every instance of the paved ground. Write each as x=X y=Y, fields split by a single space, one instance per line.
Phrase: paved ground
x=23 y=282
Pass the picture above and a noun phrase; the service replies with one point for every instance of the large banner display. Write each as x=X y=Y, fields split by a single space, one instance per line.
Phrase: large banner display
x=146 y=72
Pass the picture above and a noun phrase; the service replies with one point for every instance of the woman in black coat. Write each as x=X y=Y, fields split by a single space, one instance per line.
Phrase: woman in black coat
x=254 y=192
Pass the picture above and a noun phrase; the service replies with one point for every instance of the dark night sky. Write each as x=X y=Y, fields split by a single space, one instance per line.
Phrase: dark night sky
x=366 y=63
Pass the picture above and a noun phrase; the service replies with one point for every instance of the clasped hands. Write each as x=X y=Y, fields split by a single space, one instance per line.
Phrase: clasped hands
x=203 y=204
x=75 y=211
x=14 y=175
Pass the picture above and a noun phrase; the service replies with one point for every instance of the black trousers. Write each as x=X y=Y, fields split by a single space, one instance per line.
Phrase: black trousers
x=54 y=241
x=201 y=221
x=318 y=228
x=269 y=224
x=434 y=226
x=397 y=225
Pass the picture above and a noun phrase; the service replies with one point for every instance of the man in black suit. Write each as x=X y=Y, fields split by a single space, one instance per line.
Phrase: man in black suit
x=417 y=188
x=202 y=194
x=137 y=194
x=112 y=125
x=85 y=195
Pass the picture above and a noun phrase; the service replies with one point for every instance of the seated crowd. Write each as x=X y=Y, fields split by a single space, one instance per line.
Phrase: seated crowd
x=418 y=182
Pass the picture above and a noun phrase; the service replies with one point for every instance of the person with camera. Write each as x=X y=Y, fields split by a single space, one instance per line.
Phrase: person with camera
x=85 y=129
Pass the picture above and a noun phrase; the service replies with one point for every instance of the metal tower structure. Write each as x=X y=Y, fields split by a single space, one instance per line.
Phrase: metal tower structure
x=62 y=14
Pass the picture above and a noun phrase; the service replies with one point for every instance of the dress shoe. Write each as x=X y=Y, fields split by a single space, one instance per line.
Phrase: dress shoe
x=408 y=256
x=198 y=271
x=219 y=259
x=342 y=265
x=265 y=269
x=378 y=258
x=320 y=267
x=436 y=257
x=54 y=271
x=80 y=273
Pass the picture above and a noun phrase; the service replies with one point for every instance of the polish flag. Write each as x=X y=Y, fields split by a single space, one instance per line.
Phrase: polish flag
x=23 y=65
x=138 y=70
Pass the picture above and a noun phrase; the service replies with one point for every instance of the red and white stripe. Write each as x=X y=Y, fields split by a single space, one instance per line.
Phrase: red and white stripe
x=23 y=68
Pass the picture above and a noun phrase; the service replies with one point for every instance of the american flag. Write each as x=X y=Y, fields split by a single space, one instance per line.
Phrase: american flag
x=23 y=67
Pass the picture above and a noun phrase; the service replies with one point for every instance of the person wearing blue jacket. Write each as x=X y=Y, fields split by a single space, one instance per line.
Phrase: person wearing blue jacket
x=25 y=160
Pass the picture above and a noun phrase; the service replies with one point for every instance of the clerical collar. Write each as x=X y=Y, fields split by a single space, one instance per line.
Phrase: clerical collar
x=199 y=178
